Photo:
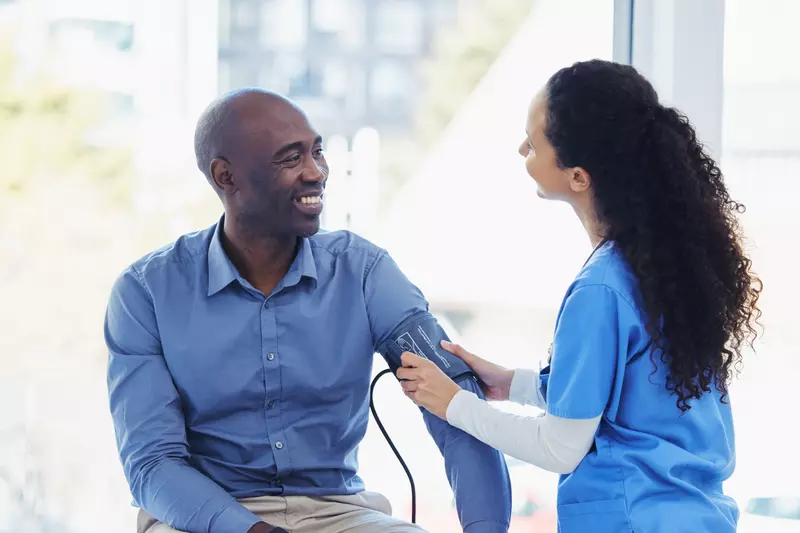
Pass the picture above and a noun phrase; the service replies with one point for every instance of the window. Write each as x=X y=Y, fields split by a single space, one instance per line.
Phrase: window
x=109 y=35
x=223 y=76
x=353 y=36
x=334 y=79
x=307 y=83
x=391 y=81
x=330 y=16
x=276 y=75
x=224 y=22
x=444 y=12
x=399 y=26
x=284 y=24
x=761 y=162
x=242 y=72
x=244 y=13
x=787 y=508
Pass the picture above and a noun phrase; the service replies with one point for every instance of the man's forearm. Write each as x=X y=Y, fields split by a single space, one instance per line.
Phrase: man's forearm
x=178 y=495
x=477 y=473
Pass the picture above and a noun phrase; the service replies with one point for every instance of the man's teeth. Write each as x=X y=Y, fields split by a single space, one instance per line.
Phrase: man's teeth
x=310 y=199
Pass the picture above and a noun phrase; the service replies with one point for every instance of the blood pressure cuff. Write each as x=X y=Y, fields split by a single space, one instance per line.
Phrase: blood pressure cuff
x=421 y=334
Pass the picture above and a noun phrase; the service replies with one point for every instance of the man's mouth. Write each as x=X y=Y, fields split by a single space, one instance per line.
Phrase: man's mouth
x=309 y=199
x=310 y=204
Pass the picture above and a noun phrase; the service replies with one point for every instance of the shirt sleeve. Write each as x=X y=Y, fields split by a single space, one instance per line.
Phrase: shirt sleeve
x=525 y=388
x=149 y=424
x=586 y=352
x=549 y=442
x=391 y=298
x=477 y=473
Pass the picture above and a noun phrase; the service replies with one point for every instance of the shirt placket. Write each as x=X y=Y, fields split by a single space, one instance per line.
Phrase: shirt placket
x=271 y=361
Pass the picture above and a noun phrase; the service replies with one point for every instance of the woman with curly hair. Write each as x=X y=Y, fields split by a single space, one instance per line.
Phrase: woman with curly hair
x=649 y=335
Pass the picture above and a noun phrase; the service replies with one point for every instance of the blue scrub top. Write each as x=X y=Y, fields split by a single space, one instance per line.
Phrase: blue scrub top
x=651 y=469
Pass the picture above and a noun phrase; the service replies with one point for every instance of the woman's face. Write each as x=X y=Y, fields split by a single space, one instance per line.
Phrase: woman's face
x=541 y=161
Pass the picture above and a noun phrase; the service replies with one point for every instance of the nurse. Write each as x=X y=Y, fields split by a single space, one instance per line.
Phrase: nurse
x=637 y=415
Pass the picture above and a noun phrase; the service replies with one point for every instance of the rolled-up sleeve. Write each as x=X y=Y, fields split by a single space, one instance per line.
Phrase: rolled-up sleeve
x=149 y=424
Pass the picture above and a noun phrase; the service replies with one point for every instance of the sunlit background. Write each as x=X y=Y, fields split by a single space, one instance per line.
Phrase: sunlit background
x=422 y=105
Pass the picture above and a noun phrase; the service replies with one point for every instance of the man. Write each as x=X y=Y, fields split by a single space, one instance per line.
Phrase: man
x=240 y=356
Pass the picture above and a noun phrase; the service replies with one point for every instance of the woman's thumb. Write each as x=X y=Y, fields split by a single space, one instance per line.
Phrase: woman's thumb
x=457 y=350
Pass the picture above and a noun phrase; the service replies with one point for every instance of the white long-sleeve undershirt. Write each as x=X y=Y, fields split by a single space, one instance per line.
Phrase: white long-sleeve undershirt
x=550 y=442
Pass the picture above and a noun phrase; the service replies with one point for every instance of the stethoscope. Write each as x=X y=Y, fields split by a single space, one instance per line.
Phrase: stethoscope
x=594 y=251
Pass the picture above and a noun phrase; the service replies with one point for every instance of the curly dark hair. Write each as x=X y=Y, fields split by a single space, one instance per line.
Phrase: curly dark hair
x=662 y=199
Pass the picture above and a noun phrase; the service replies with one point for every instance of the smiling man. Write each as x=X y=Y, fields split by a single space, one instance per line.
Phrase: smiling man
x=240 y=356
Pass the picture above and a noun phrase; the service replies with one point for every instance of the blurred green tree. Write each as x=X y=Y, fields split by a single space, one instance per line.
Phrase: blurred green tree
x=44 y=130
x=61 y=230
x=463 y=55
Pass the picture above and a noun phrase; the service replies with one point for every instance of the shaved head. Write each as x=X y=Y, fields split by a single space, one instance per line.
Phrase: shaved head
x=264 y=160
x=221 y=124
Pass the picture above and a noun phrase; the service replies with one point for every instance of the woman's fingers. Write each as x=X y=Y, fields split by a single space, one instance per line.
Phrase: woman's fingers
x=412 y=360
x=409 y=386
x=408 y=373
x=459 y=352
x=411 y=396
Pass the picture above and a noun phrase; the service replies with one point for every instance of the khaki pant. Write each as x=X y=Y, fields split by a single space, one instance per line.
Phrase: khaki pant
x=365 y=512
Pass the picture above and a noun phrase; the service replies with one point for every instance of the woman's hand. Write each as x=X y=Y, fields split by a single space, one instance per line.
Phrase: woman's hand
x=426 y=384
x=495 y=379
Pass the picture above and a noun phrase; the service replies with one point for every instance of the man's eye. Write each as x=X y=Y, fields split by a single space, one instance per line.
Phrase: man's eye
x=293 y=159
x=318 y=151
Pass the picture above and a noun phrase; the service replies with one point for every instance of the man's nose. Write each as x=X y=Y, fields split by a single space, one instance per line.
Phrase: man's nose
x=315 y=172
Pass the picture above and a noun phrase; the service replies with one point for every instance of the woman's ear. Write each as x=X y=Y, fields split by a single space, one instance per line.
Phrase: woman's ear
x=579 y=180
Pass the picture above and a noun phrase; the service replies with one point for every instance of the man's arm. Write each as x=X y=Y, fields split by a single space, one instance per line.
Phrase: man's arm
x=149 y=423
x=477 y=473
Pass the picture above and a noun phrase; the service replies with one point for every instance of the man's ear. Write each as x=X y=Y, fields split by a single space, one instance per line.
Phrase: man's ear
x=579 y=180
x=221 y=175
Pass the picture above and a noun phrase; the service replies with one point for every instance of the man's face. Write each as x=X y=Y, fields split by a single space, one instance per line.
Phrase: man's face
x=279 y=171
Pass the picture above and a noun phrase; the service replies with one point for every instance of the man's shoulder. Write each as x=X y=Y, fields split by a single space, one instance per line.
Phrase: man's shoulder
x=185 y=251
x=343 y=242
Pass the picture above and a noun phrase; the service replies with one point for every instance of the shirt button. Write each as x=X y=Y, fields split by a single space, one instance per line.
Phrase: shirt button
x=271 y=404
x=271 y=356
x=277 y=481
x=279 y=445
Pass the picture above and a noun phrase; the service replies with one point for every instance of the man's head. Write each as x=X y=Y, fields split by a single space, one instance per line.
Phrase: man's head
x=265 y=162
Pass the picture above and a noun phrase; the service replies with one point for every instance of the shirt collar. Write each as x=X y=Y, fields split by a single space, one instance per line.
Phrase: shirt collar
x=303 y=265
x=222 y=272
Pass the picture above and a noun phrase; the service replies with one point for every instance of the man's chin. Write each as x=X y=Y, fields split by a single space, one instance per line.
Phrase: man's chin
x=309 y=228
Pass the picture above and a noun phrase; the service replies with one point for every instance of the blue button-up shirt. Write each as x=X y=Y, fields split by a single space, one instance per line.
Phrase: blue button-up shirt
x=219 y=392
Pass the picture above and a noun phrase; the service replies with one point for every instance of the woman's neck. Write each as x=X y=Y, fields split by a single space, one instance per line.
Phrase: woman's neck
x=595 y=230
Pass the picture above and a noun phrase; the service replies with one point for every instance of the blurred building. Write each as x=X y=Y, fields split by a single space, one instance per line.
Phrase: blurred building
x=83 y=44
x=151 y=63
x=349 y=63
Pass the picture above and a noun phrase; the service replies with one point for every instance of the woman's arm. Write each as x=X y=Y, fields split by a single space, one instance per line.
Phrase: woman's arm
x=550 y=442
x=525 y=388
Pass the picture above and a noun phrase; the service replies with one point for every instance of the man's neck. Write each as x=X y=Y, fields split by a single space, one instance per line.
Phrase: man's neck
x=263 y=260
